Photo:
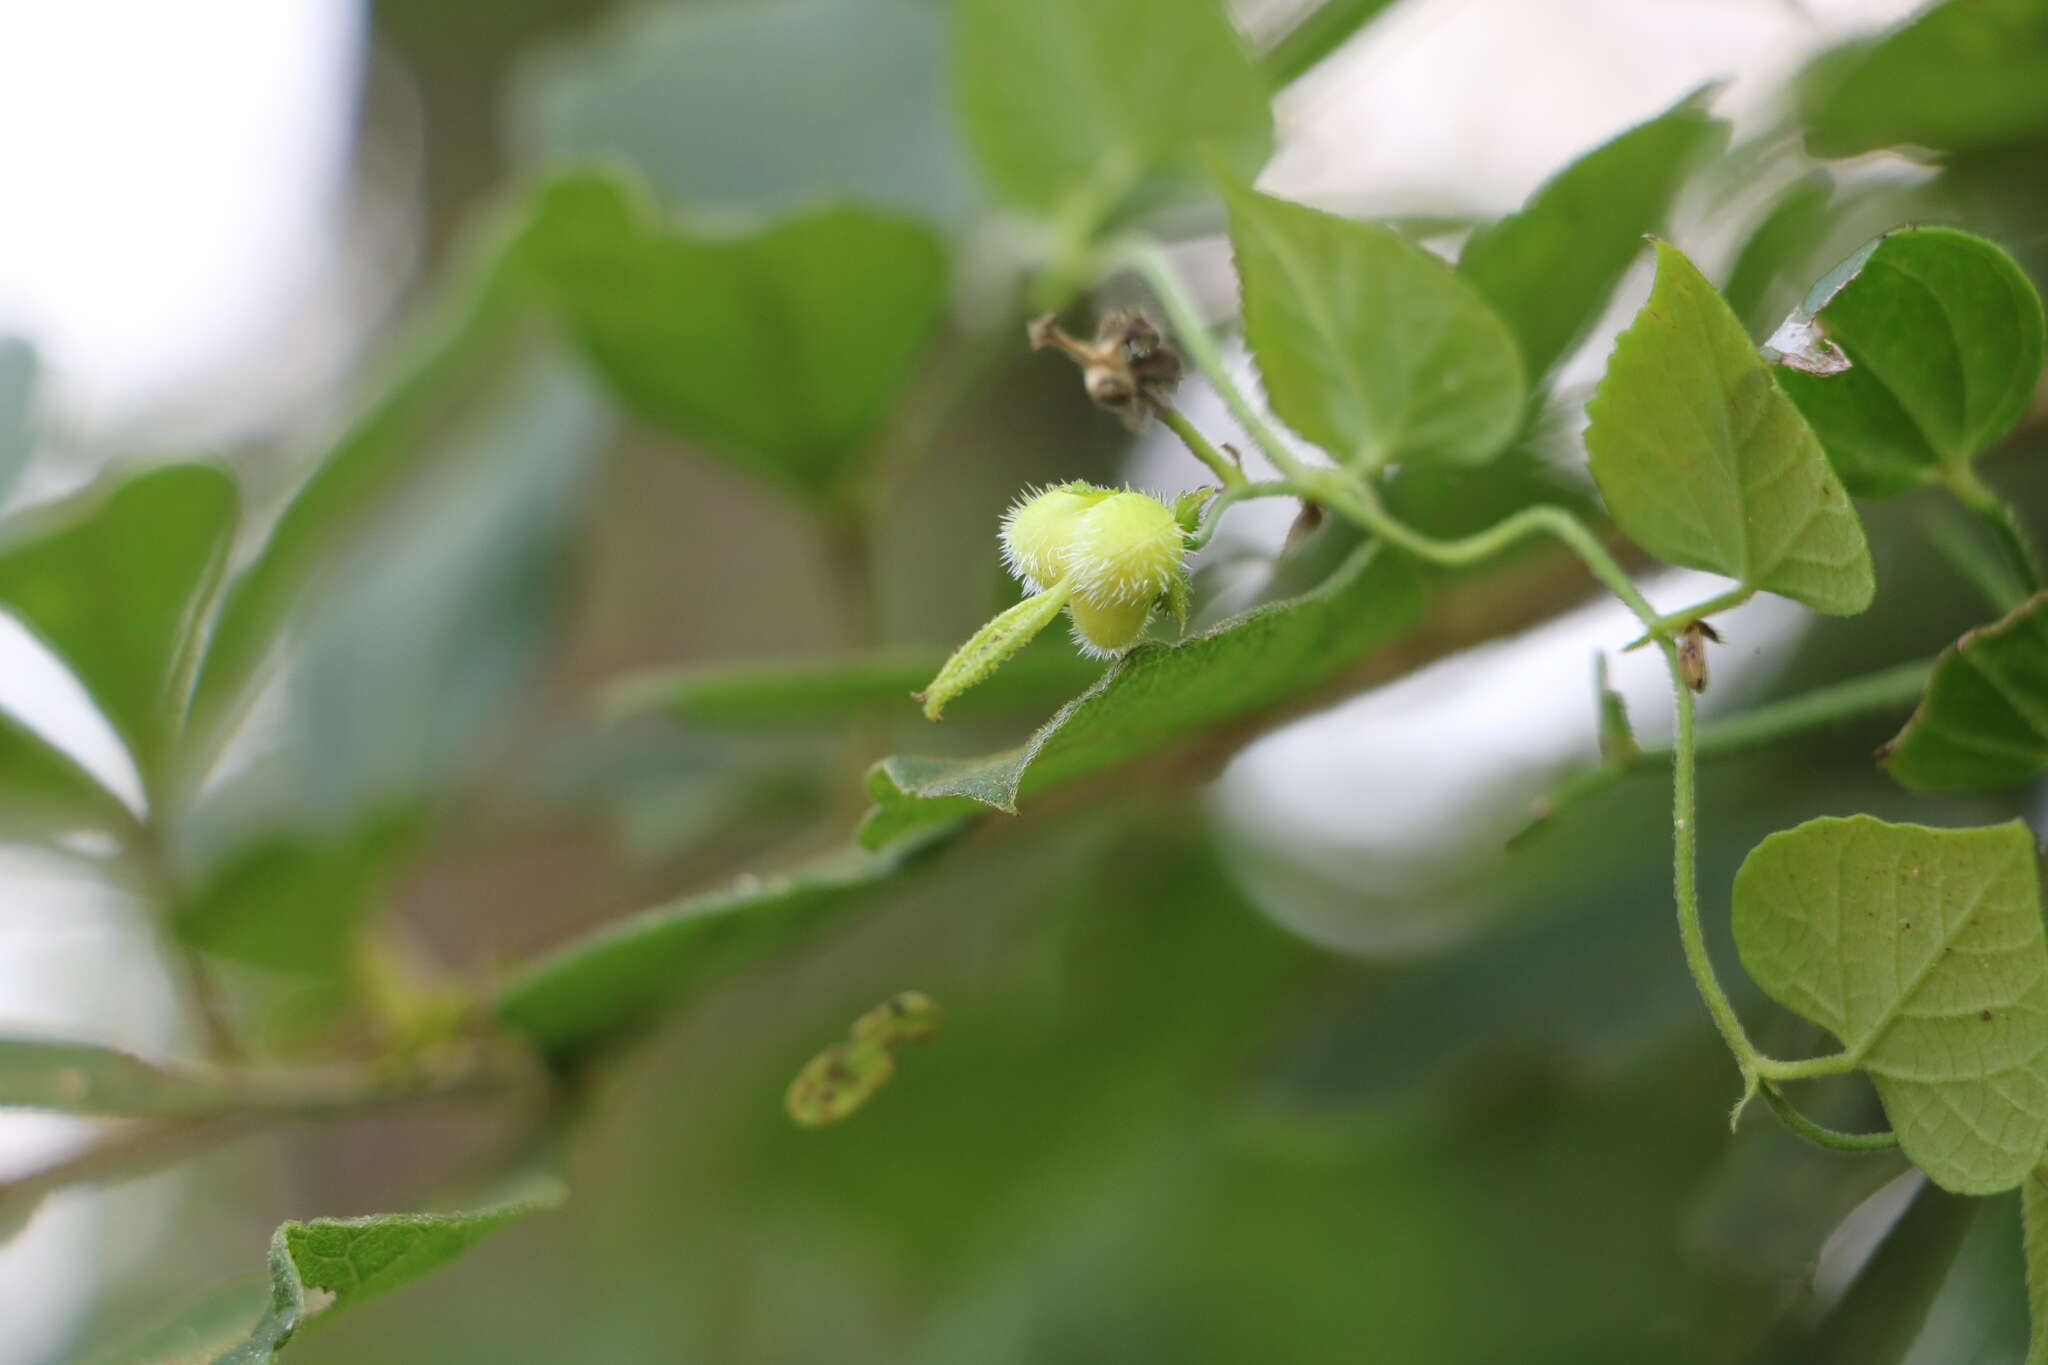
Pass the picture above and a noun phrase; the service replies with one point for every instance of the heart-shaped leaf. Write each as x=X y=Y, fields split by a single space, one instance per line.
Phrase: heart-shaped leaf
x=1370 y=346
x=1705 y=462
x=1078 y=108
x=1943 y=334
x=780 y=351
x=1922 y=951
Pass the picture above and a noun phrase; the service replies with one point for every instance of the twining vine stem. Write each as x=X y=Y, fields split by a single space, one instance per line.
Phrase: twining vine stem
x=1353 y=496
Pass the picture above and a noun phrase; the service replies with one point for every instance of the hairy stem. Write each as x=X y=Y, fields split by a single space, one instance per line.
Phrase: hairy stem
x=1221 y=465
x=1191 y=333
x=1356 y=499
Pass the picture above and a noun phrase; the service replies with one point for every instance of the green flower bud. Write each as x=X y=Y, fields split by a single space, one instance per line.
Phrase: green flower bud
x=1104 y=632
x=1036 y=528
x=1123 y=551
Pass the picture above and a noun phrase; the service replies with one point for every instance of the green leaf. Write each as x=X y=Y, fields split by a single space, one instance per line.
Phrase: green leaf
x=615 y=979
x=83 y=1078
x=2034 y=1219
x=1161 y=694
x=442 y=614
x=1550 y=268
x=1370 y=346
x=1944 y=337
x=777 y=693
x=1922 y=951
x=1074 y=108
x=761 y=107
x=17 y=392
x=296 y=901
x=1966 y=75
x=467 y=332
x=44 y=791
x=781 y=351
x=1983 y=721
x=116 y=581
x=354 y=1260
x=201 y=1331
x=1787 y=237
x=1705 y=462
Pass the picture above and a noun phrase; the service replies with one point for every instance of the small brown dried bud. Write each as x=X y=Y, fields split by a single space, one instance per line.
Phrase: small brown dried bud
x=1127 y=369
x=1692 y=653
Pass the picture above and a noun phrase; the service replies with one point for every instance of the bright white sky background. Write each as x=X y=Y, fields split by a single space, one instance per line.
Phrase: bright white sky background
x=171 y=182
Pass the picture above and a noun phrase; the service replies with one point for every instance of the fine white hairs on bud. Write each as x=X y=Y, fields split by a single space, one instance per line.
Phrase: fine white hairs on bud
x=1107 y=557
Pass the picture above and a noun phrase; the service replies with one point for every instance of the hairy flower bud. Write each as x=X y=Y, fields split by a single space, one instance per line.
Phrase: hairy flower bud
x=1036 y=527
x=1104 y=632
x=1123 y=551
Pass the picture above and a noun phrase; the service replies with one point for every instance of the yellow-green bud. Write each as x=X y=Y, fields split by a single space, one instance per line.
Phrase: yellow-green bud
x=1102 y=632
x=1123 y=551
x=1036 y=528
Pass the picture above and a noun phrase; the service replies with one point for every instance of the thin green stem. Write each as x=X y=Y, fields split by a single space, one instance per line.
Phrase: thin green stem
x=1830 y=1138
x=1685 y=871
x=1889 y=690
x=1356 y=500
x=1673 y=621
x=2003 y=522
x=1222 y=466
x=1191 y=332
x=1805 y=1068
x=1242 y=492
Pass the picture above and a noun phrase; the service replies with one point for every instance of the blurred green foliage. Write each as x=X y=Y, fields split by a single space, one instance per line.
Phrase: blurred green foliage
x=416 y=742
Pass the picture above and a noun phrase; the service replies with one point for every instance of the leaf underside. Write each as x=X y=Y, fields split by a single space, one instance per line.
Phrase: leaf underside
x=1922 y=951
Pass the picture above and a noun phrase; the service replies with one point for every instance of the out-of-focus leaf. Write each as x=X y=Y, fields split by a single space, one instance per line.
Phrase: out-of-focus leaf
x=781 y=351
x=1790 y=232
x=43 y=790
x=1922 y=951
x=201 y=1331
x=1944 y=338
x=295 y=901
x=84 y=1078
x=1074 y=108
x=615 y=979
x=437 y=620
x=780 y=693
x=17 y=390
x=116 y=581
x=1966 y=75
x=760 y=106
x=1983 y=721
x=468 y=332
x=1370 y=346
x=1705 y=462
x=353 y=1260
x=1325 y=28
x=1550 y=268
x=1158 y=695
x=1878 y=1321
